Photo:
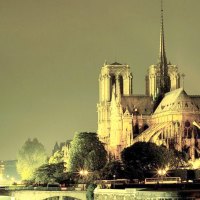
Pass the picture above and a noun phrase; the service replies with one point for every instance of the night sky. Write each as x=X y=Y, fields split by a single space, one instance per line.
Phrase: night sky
x=51 y=53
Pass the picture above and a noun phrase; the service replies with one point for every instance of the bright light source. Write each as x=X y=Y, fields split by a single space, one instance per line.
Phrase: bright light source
x=162 y=172
x=86 y=172
x=83 y=172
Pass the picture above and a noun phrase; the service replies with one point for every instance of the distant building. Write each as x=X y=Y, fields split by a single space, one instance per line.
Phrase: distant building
x=8 y=172
x=60 y=153
x=164 y=115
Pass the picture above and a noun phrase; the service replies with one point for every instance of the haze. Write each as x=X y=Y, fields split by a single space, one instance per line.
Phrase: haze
x=51 y=52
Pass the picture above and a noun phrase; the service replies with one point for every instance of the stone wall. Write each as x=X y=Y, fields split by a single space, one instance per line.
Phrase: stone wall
x=140 y=194
x=41 y=195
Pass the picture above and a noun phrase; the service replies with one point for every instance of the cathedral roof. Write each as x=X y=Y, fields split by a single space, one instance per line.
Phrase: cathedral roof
x=116 y=63
x=177 y=100
x=141 y=104
x=196 y=99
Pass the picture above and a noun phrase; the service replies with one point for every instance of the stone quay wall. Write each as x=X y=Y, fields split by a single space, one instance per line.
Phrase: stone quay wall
x=142 y=194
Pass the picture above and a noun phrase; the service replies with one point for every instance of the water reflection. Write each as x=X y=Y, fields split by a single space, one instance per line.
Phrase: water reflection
x=60 y=198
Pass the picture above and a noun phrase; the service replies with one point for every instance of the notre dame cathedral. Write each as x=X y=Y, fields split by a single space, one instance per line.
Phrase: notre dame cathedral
x=166 y=114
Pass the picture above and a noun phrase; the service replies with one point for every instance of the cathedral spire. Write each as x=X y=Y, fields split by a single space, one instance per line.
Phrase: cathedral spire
x=162 y=54
x=163 y=58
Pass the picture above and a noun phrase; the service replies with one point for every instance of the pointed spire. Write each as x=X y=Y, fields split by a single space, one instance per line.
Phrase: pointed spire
x=164 y=80
x=162 y=54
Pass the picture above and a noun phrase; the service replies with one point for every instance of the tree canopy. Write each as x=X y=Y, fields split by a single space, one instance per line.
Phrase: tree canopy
x=143 y=156
x=86 y=152
x=30 y=157
x=111 y=169
x=57 y=157
x=50 y=173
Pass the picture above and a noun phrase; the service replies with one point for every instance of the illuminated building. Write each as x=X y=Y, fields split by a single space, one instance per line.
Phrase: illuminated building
x=2 y=168
x=164 y=115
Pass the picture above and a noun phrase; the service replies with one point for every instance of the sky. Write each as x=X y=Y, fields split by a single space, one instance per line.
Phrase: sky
x=51 y=53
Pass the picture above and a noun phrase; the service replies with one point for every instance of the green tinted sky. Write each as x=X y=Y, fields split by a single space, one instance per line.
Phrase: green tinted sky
x=51 y=52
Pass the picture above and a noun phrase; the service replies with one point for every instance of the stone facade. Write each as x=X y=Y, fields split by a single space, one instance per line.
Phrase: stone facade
x=124 y=118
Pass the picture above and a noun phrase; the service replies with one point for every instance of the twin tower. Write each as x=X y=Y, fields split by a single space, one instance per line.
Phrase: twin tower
x=122 y=115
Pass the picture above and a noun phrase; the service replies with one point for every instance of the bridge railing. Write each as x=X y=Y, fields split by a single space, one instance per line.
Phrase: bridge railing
x=43 y=188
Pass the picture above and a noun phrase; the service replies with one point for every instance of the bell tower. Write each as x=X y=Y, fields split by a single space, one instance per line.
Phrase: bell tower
x=113 y=77
x=162 y=77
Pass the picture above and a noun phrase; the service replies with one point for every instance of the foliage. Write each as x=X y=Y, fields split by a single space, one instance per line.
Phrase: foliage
x=90 y=192
x=57 y=157
x=30 y=157
x=50 y=173
x=182 y=173
x=112 y=168
x=142 y=157
x=197 y=174
x=180 y=159
x=86 y=152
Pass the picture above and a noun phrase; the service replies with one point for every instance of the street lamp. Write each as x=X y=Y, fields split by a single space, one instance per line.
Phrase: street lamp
x=114 y=176
x=161 y=173
x=83 y=173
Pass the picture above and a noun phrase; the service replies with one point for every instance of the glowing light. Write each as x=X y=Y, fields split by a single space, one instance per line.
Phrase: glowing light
x=162 y=172
x=12 y=179
x=195 y=124
x=83 y=172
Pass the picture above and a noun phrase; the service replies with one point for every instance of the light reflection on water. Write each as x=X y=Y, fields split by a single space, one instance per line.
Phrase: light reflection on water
x=57 y=198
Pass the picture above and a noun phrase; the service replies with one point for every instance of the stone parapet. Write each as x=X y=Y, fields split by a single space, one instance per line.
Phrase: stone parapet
x=140 y=194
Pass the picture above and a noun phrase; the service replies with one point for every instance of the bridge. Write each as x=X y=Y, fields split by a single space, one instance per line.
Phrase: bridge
x=44 y=195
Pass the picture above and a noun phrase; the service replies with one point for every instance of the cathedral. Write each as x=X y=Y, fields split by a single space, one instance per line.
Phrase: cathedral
x=165 y=115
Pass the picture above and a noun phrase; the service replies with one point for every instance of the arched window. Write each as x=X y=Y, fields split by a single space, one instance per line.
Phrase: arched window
x=121 y=84
x=187 y=124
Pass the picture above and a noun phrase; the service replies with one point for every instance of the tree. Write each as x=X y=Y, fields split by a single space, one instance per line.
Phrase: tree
x=30 y=157
x=57 y=157
x=86 y=152
x=50 y=173
x=142 y=157
x=90 y=191
x=112 y=168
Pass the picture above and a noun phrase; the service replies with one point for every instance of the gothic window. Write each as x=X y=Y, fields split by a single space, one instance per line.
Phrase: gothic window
x=196 y=133
x=189 y=133
x=187 y=124
x=185 y=133
x=121 y=84
x=113 y=80
x=136 y=130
